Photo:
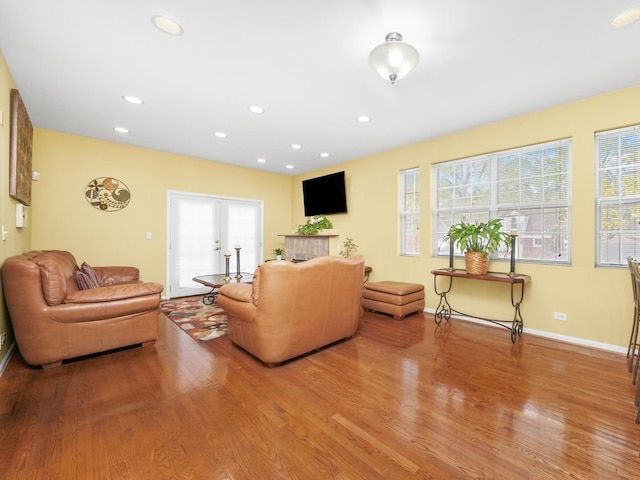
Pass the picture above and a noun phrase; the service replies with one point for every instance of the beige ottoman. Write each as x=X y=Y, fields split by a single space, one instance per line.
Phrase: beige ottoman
x=394 y=298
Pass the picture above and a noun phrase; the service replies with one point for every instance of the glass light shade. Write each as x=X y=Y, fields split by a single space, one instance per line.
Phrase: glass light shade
x=393 y=59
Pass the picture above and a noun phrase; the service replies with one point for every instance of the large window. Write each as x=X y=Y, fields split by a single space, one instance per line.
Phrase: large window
x=528 y=188
x=410 y=212
x=618 y=196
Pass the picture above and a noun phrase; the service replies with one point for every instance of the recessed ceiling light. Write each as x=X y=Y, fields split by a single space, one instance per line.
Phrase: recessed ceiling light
x=132 y=99
x=256 y=109
x=262 y=160
x=324 y=155
x=167 y=25
x=363 y=119
x=289 y=167
x=220 y=134
x=295 y=146
x=121 y=129
x=626 y=18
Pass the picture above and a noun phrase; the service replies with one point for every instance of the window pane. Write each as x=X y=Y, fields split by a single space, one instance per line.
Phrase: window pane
x=618 y=196
x=528 y=188
x=410 y=212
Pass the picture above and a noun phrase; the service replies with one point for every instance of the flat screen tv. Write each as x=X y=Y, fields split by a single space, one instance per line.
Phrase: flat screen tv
x=324 y=195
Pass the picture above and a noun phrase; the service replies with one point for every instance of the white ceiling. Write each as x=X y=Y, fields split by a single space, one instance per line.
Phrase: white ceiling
x=306 y=63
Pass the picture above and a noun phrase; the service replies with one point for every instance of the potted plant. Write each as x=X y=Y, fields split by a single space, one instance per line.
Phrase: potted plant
x=477 y=240
x=348 y=248
x=314 y=225
x=278 y=252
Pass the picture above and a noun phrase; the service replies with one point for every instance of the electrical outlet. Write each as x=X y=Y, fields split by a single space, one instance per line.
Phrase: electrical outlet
x=560 y=316
x=3 y=338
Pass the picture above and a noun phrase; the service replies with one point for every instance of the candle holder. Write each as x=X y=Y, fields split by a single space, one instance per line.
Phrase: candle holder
x=226 y=270
x=450 y=255
x=238 y=274
x=512 y=269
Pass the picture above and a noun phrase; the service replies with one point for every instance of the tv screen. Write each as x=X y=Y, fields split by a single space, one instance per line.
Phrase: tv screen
x=324 y=195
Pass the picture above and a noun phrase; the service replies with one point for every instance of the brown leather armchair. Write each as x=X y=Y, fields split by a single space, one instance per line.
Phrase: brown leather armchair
x=295 y=308
x=54 y=320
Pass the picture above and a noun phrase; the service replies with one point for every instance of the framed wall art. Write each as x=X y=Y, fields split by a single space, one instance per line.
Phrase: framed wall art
x=21 y=141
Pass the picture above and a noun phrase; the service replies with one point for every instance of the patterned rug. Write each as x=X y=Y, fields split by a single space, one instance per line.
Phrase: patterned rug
x=200 y=321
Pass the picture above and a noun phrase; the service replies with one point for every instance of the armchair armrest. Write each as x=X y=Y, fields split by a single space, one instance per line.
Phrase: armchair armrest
x=115 y=292
x=111 y=275
x=236 y=300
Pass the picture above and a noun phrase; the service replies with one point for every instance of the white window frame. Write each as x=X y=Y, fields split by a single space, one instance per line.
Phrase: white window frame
x=617 y=164
x=529 y=188
x=410 y=212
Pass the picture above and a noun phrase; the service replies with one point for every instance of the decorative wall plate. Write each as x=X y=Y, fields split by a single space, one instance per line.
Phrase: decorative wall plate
x=107 y=194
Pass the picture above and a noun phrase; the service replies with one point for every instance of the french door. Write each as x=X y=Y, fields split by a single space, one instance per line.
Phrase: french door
x=202 y=229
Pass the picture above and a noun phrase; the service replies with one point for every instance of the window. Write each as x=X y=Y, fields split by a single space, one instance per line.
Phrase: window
x=617 y=196
x=410 y=212
x=528 y=188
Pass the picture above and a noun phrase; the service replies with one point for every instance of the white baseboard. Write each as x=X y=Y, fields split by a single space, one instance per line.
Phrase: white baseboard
x=6 y=358
x=554 y=336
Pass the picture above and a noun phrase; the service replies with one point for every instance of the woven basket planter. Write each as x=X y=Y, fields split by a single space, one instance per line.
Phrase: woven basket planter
x=476 y=263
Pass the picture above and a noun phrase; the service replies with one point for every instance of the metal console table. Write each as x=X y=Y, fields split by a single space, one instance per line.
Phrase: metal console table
x=444 y=309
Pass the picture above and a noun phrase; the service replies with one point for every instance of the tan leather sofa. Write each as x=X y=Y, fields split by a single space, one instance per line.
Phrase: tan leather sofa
x=54 y=320
x=295 y=308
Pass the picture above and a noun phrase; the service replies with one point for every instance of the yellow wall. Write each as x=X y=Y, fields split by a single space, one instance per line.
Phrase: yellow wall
x=63 y=219
x=598 y=301
x=18 y=239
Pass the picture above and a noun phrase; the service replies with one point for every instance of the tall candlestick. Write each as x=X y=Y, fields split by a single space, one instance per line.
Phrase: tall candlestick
x=226 y=270
x=513 y=236
x=238 y=274
x=450 y=254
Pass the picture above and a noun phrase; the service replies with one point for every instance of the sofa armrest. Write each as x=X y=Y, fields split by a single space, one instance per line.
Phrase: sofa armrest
x=235 y=299
x=112 y=275
x=111 y=293
x=240 y=292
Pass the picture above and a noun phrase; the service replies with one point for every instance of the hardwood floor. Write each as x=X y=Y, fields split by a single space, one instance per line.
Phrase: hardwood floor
x=402 y=399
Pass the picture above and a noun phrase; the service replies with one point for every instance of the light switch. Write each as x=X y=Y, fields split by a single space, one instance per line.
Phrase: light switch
x=149 y=235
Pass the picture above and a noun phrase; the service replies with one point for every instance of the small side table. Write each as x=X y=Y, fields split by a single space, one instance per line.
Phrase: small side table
x=218 y=280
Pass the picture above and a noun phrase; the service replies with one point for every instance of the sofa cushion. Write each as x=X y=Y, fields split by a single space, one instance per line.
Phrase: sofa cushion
x=85 y=281
x=91 y=273
x=57 y=269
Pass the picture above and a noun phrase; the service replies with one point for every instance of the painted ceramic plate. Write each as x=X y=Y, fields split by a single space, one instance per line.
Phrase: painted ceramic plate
x=107 y=194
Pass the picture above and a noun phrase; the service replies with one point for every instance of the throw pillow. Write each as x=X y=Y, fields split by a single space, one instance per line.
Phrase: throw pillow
x=84 y=281
x=91 y=273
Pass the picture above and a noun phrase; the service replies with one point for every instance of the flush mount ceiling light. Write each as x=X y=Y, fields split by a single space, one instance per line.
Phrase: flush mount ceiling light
x=626 y=18
x=394 y=59
x=121 y=129
x=256 y=109
x=166 y=25
x=132 y=99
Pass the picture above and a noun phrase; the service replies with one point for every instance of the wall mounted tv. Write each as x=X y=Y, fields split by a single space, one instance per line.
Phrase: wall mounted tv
x=324 y=195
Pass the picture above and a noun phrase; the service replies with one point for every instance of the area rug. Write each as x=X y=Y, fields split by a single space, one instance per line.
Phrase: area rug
x=200 y=321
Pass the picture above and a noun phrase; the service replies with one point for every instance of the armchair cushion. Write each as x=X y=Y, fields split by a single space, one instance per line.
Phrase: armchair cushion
x=91 y=273
x=84 y=281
